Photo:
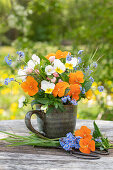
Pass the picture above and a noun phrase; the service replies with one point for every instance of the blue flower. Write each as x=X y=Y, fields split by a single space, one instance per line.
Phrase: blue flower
x=100 y=88
x=77 y=146
x=90 y=71
x=70 y=136
x=8 y=61
x=83 y=91
x=20 y=53
x=80 y=51
x=68 y=57
x=98 y=140
x=8 y=80
x=79 y=60
x=70 y=142
x=74 y=102
x=95 y=64
x=91 y=78
x=76 y=68
x=80 y=88
x=87 y=68
x=66 y=98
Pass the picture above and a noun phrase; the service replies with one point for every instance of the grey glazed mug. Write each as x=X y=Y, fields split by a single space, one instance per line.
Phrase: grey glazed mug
x=55 y=124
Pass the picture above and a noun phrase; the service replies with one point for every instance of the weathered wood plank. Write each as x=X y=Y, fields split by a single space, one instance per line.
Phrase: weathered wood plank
x=18 y=126
x=28 y=157
x=19 y=161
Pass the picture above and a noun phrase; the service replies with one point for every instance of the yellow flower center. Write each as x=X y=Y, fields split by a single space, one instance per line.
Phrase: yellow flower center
x=69 y=65
x=49 y=90
x=49 y=70
x=58 y=70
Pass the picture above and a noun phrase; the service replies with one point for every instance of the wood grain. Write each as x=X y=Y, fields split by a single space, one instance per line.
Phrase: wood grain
x=31 y=158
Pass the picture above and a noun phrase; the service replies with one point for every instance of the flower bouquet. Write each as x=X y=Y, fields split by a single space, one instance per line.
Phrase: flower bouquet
x=55 y=80
x=56 y=83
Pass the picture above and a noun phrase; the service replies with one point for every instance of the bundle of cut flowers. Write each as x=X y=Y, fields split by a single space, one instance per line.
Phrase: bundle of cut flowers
x=82 y=140
x=54 y=80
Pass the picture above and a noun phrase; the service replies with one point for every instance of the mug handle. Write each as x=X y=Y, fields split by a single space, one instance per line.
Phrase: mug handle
x=28 y=121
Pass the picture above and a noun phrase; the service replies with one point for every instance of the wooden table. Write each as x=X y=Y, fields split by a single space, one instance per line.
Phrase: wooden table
x=37 y=158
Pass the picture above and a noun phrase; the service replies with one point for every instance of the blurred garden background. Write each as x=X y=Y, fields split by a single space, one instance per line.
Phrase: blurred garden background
x=43 y=26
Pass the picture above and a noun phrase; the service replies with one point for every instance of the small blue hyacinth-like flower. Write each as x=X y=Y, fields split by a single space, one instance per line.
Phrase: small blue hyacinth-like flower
x=76 y=68
x=80 y=51
x=70 y=142
x=80 y=88
x=83 y=91
x=8 y=61
x=87 y=68
x=8 y=80
x=74 y=102
x=98 y=140
x=70 y=136
x=66 y=98
x=79 y=60
x=67 y=147
x=77 y=146
x=95 y=64
x=20 y=53
x=92 y=79
x=90 y=71
x=68 y=57
x=100 y=88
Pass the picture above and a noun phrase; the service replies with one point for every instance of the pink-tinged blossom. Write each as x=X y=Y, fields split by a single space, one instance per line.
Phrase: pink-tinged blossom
x=60 y=81
x=37 y=71
x=29 y=70
x=52 y=58
x=56 y=74
x=48 y=78
x=53 y=80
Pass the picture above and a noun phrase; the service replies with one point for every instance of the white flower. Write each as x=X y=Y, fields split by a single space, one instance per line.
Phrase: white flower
x=72 y=63
x=31 y=64
x=21 y=100
x=49 y=70
x=59 y=66
x=22 y=74
x=44 y=108
x=47 y=86
x=36 y=59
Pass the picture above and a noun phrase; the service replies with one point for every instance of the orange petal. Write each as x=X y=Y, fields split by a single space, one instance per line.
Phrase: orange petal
x=85 y=150
x=92 y=145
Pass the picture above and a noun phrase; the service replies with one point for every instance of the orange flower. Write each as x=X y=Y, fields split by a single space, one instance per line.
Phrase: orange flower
x=74 y=91
x=60 y=54
x=86 y=145
x=76 y=77
x=60 y=89
x=30 y=86
x=89 y=94
x=84 y=132
x=49 y=55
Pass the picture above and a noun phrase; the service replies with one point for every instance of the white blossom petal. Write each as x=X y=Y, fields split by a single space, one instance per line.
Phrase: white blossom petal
x=49 y=70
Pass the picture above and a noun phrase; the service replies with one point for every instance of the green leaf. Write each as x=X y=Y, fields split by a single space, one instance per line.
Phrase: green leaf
x=40 y=101
x=50 y=76
x=61 y=107
x=65 y=77
x=96 y=132
x=87 y=85
x=67 y=90
x=47 y=61
x=50 y=109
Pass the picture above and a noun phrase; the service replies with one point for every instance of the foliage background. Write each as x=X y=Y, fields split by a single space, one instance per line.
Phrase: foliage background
x=44 y=26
